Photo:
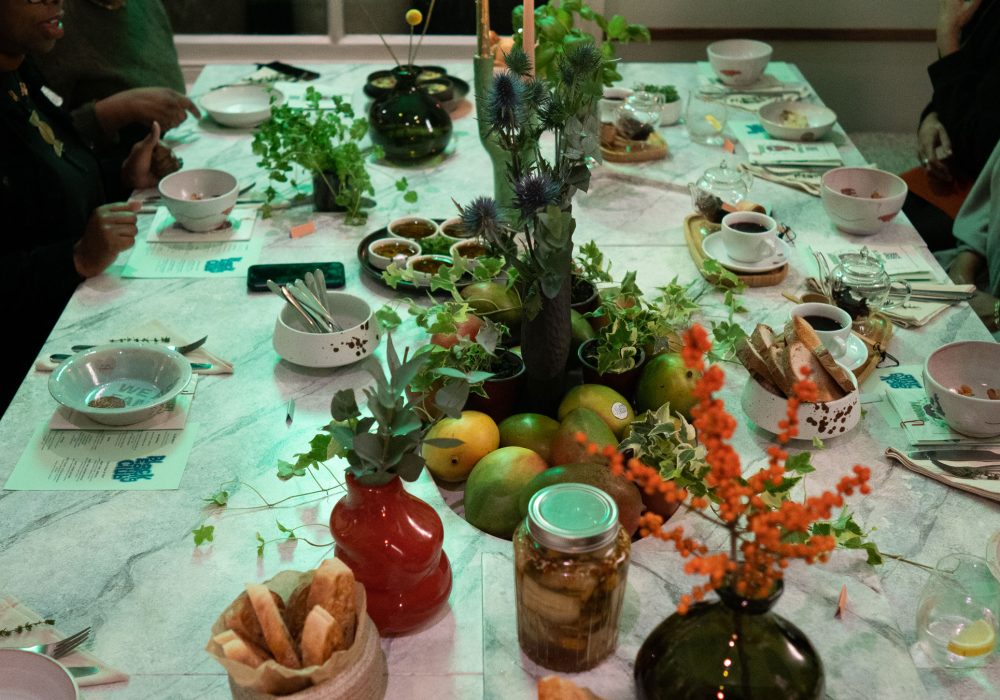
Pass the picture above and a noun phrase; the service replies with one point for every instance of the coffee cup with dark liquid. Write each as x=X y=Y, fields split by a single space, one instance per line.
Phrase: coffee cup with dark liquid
x=748 y=236
x=832 y=325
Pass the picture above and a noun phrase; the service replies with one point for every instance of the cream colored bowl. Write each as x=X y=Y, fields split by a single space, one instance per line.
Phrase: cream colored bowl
x=357 y=341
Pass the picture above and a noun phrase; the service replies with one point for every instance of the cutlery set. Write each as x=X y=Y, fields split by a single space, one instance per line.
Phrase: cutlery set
x=182 y=349
x=63 y=647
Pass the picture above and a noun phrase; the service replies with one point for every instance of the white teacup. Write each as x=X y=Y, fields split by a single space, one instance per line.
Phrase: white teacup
x=749 y=246
x=832 y=325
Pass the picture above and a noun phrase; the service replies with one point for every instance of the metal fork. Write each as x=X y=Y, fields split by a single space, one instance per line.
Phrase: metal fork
x=182 y=349
x=61 y=648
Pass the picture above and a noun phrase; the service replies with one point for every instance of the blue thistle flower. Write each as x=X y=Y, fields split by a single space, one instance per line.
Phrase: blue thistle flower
x=517 y=61
x=505 y=102
x=480 y=215
x=535 y=191
x=580 y=63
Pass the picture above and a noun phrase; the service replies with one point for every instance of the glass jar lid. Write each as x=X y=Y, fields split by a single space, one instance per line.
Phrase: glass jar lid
x=573 y=518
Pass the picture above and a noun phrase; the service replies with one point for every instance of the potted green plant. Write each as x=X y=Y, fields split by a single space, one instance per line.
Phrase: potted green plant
x=325 y=143
x=589 y=269
x=670 y=112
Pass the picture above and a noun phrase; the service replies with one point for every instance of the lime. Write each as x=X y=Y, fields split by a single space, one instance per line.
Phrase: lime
x=977 y=639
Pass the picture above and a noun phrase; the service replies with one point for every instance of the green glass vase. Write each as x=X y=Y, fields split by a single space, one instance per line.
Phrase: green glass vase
x=407 y=123
x=733 y=648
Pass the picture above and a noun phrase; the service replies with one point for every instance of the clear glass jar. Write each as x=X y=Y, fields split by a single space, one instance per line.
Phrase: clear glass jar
x=571 y=559
x=637 y=118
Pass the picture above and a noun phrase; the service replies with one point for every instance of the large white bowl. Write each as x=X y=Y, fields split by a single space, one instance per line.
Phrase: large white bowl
x=820 y=120
x=823 y=420
x=201 y=199
x=25 y=675
x=739 y=62
x=846 y=195
x=357 y=341
x=975 y=364
x=145 y=376
x=241 y=106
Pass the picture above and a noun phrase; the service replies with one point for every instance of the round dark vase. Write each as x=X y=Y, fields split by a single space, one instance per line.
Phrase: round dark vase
x=545 y=344
x=392 y=542
x=622 y=382
x=502 y=391
x=325 y=188
x=733 y=647
x=407 y=123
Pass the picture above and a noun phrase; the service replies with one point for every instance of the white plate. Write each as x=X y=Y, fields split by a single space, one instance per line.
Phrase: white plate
x=28 y=676
x=717 y=251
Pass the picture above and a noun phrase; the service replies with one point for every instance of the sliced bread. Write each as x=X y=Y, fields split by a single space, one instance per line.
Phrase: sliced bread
x=279 y=641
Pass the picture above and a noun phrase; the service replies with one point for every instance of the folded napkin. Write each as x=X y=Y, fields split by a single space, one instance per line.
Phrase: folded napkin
x=14 y=613
x=916 y=313
x=987 y=488
x=806 y=179
x=155 y=332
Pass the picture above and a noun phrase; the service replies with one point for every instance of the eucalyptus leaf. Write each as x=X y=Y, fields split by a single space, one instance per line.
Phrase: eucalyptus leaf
x=451 y=398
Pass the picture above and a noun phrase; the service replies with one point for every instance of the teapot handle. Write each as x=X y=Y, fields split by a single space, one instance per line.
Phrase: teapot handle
x=747 y=178
x=898 y=298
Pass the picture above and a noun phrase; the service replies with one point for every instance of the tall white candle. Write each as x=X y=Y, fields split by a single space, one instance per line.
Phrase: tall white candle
x=528 y=35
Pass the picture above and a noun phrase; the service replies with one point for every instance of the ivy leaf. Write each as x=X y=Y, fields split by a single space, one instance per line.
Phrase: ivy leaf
x=817 y=442
x=260 y=546
x=410 y=197
x=402 y=185
x=205 y=533
x=387 y=318
x=219 y=498
x=287 y=470
x=800 y=463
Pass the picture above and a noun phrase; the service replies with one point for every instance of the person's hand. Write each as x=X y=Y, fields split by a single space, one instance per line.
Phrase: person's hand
x=952 y=16
x=934 y=146
x=144 y=106
x=111 y=229
x=139 y=169
x=985 y=306
x=965 y=268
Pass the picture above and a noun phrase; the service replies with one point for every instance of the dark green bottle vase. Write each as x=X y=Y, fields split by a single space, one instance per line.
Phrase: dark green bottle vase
x=409 y=124
x=734 y=648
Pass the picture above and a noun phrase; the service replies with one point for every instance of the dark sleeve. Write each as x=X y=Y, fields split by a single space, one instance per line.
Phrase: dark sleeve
x=967 y=100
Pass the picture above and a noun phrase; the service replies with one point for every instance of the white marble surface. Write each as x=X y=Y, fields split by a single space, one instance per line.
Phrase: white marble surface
x=124 y=563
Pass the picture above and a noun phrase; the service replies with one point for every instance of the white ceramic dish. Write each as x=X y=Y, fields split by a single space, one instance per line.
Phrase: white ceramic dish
x=456 y=252
x=670 y=112
x=28 y=676
x=820 y=120
x=201 y=199
x=241 y=106
x=452 y=222
x=822 y=420
x=357 y=341
x=715 y=249
x=424 y=278
x=383 y=261
x=146 y=376
x=397 y=228
x=975 y=364
x=846 y=195
x=739 y=62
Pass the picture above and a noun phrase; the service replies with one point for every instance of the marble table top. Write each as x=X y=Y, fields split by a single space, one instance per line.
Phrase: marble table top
x=124 y=562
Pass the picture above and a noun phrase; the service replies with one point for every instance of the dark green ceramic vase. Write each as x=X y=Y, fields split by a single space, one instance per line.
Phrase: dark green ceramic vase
x=407 y=123
x=734 y=648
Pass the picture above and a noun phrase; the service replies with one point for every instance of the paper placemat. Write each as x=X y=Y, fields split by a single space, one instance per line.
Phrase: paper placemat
x=174 y=415
x=14 y=613
x=238 y=227
x=219 y=259
x=103 y=460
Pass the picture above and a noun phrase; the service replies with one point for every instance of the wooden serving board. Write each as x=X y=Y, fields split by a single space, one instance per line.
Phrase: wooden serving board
x=697 y=228
x=619 y=150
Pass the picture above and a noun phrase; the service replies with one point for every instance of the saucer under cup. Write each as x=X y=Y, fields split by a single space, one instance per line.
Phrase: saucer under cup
x=749 y=246
x=835 y=340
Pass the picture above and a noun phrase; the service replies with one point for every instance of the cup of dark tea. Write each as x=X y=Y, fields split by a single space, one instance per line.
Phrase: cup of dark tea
x=832 y=324
x=748 y=236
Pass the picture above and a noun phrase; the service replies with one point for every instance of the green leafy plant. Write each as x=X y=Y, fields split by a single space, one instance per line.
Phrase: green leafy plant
x=591 y=265
x=557 y=34
x=669 y=92
x=666 y=441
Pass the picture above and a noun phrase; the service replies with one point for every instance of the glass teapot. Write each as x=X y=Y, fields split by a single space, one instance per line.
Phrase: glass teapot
x=729 y=185
x=860 y=285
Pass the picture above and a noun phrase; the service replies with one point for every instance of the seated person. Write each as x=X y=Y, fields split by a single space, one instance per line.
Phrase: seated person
x=58 y=227
x=977 y=230
x=961 y=125
x=116 y=69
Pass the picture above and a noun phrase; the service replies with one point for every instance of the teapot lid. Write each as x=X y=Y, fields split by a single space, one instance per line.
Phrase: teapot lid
x=722 y=175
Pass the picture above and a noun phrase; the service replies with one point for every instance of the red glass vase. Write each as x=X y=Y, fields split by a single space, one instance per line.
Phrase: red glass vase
x=392 y=542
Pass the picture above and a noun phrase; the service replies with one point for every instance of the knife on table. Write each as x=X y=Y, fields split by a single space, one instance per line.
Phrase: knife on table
x=81 y=671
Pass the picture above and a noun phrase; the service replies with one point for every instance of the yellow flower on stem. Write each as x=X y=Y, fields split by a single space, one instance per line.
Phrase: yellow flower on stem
x=414 y=17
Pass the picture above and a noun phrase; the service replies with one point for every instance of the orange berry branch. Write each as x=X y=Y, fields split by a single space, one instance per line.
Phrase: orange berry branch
x=762 y=538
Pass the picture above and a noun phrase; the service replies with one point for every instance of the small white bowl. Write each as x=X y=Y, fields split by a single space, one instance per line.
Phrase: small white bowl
x=357 y=341
x=670 y=112
x=145 y=376
x=975 y=364
x=201 y=199
x=739 y=62
x=383 y=261
x=398 y=228
x=454 y=236
x=846 y=196
x=823 y=420
x=28 y=676
x=419 y=276
x=614 y=97
x=819 y=119
x=470 y=261
x=241 y=106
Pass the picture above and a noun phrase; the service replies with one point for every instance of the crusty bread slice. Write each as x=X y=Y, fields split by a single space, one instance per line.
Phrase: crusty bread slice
x=807 y=335
x=762 y=340
x=243 y=620
x=556 y=688
x=797 y=357
x=279 y=641
x=321 y=636
x=296 y=610
x=239 y=649
x=756 y=366
x=333 y=590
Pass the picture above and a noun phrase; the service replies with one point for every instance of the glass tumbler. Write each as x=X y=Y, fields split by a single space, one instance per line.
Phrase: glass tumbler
x=957 y=615
x=705 y=119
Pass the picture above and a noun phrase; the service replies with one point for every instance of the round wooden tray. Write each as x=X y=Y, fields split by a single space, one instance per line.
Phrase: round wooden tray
x=621 y=150
x=697 y=228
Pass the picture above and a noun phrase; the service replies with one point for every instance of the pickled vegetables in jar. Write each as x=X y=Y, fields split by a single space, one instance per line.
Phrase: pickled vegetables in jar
x=571 y=560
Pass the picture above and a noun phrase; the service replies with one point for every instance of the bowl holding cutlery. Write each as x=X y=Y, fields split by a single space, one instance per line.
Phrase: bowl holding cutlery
x=296 y=341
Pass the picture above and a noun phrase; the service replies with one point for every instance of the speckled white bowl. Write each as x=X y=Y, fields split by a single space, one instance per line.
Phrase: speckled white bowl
x=823 y=420
x=357 y=341
x=859 y=213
